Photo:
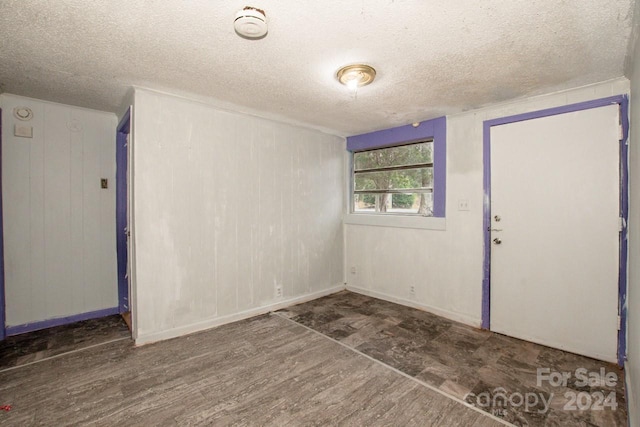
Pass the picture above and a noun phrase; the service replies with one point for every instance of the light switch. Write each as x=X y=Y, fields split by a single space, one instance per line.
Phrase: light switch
x=23 y=131
x=104 y=183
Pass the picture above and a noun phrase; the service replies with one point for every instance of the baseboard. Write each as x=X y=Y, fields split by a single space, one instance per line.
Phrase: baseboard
x=451 y=315
x=222 y=320
x=633 y=418
x=59 y=321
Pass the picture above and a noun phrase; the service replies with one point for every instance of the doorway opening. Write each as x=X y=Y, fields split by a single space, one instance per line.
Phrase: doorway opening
x=122 y=230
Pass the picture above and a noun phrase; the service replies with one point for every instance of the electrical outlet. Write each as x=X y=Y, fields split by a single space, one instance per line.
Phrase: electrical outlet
x=278 y=291
x=353 y=270
x=412 y=290
x=463 y=205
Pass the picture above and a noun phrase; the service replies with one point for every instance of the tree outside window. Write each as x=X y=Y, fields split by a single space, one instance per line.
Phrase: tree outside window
x=394 y=180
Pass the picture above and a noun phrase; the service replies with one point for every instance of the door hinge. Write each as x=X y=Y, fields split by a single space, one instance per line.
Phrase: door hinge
x=619 y=322
x=620 y=132
x=620 y=126
x=622 y=224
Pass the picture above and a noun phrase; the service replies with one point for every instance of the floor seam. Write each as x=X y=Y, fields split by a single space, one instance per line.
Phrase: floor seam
x=416 y=380
x=13 y=368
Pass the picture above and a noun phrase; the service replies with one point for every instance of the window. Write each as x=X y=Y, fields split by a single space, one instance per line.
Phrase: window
x=398 y=176
x=394 y=180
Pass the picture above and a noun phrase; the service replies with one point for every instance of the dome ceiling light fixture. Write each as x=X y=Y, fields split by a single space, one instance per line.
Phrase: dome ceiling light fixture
x=356 y=75
x=251 y=23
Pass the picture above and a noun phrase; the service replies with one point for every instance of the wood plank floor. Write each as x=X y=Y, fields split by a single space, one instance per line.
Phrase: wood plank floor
x=263 y=371
x=469 y=363
x=34 y=346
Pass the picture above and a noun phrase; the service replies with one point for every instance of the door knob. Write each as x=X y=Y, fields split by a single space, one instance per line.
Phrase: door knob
x=497 y=241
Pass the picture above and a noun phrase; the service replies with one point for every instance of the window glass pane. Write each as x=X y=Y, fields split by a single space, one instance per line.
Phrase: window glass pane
x=403 y=155
x=394 y=180
x=396 y=203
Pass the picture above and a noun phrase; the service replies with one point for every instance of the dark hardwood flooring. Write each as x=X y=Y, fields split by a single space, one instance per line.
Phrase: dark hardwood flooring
x=378 y=363
x=469 y=363
x=34 y=346
x=266 y=370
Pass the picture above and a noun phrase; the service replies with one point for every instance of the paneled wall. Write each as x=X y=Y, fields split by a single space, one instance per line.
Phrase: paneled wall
x=229 y=208
x=59 y=224
x=445 y=267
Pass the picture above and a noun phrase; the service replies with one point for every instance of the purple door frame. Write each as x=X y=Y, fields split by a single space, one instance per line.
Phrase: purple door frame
x=2 y=306
x=623 y=102
x=124 y=128
x=19 y=329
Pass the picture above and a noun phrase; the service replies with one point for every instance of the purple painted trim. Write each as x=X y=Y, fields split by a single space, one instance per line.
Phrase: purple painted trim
x=435 y=129
x=624 y=213
x=124 y=125
x=439 y=167
x=558 y=110
x=121 y=210
x=623 y=101
x=2 y=305
x=396 y=136
x=58 y=321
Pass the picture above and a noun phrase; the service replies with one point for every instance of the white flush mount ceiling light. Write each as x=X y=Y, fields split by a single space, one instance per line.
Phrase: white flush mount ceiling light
x=356 y=75
x=251 y=23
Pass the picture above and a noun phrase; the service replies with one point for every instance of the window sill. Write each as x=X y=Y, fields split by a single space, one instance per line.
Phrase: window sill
x=397 y=221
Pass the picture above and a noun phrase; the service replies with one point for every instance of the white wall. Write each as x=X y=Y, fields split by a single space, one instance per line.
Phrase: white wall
x=633 y=295
x=227 y=206
x=446 y=267
x=59 y=225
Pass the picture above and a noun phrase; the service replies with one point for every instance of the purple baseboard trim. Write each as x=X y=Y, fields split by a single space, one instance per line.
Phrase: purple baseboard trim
x=623 y=102
x=58 y=321
x=435 y=129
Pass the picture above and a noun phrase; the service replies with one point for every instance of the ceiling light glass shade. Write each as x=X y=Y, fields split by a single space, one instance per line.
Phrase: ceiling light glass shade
x=356 y=75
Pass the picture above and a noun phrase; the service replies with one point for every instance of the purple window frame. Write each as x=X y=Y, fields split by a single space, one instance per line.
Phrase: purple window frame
x=623 y=102
x=434 y=129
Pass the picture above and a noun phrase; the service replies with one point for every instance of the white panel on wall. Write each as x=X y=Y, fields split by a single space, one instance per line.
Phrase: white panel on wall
x=446 y=267
x=59 y=225
x=227 y=207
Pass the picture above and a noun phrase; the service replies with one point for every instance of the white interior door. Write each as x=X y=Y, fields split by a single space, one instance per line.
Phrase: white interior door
x=555 y=214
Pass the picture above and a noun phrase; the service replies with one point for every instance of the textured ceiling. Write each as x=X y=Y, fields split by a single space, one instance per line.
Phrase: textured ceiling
x=432 y=57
